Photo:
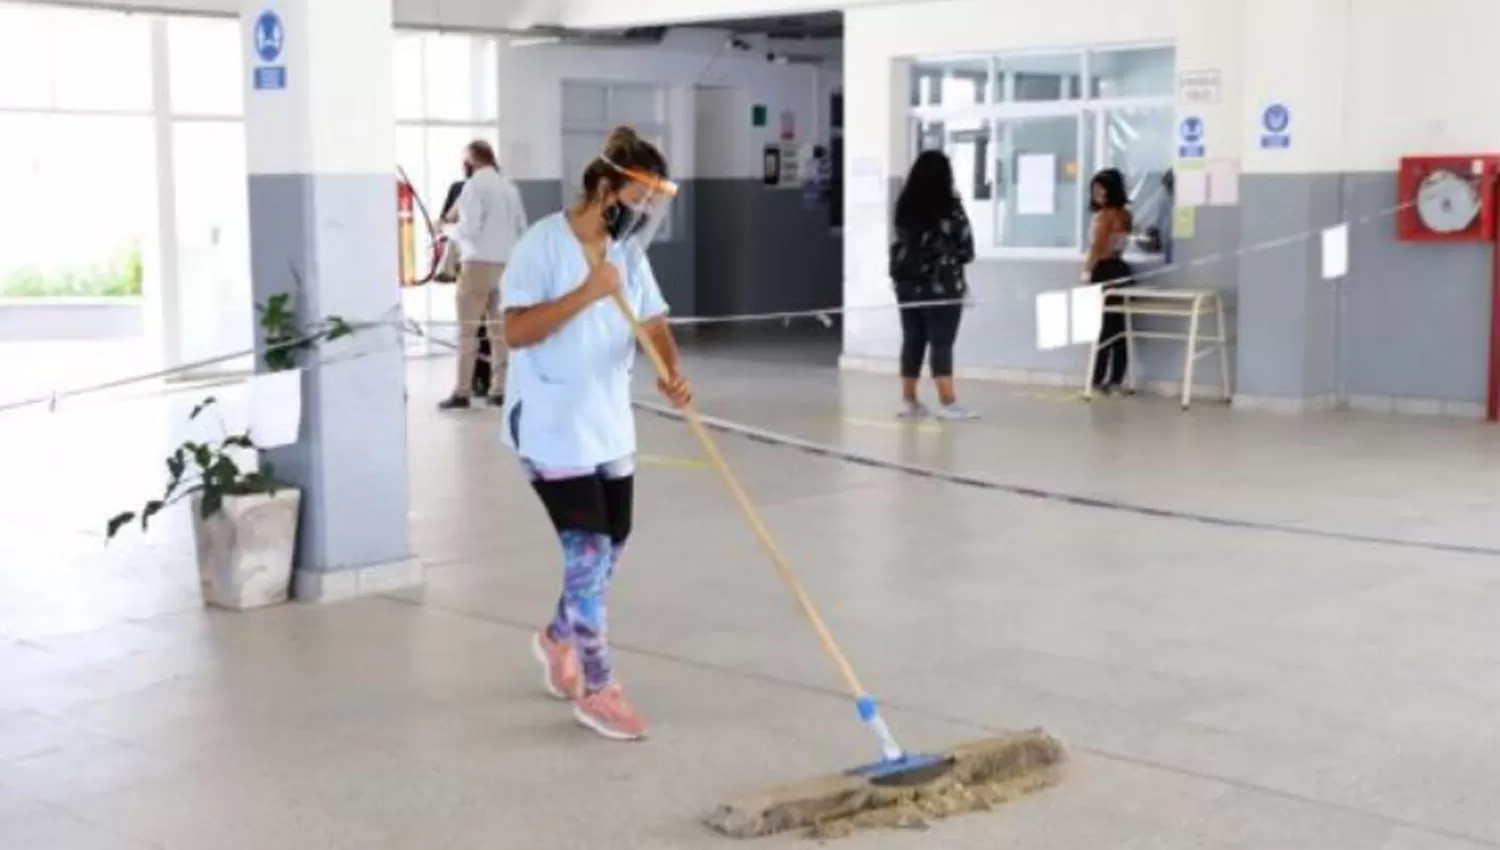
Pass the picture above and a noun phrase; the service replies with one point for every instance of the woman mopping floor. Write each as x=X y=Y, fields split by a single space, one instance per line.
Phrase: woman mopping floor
x=568 y=413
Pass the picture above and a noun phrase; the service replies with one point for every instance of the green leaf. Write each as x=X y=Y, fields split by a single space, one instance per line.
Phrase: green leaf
x=238 y=441
x=211 y=503
x=203 y=456
x=116 y=523
x=338 y=328
x=225 y=473
x=202 y=406
x=153 y=508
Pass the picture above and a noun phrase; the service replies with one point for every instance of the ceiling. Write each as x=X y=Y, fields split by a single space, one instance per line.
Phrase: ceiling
x=822 y=25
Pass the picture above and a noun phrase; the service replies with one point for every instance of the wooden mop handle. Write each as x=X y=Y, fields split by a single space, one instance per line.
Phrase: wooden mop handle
x=747 y=508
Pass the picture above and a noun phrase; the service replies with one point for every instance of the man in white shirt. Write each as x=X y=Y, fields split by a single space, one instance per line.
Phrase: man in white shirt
x=491 y=220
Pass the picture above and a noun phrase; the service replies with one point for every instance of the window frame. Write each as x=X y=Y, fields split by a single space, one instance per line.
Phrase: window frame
x=420 y=173
x=1089 y=112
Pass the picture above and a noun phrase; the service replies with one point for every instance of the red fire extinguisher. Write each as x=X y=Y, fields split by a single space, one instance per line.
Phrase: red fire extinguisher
x=406 y=231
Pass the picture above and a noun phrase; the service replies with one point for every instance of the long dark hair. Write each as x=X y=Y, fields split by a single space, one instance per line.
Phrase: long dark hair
x=928 y=195
x=1113 y=184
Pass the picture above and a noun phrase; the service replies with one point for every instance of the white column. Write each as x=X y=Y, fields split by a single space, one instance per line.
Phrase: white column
x=319 y=121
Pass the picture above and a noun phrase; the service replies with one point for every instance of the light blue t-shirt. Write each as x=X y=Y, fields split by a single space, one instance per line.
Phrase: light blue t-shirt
x=567 y=398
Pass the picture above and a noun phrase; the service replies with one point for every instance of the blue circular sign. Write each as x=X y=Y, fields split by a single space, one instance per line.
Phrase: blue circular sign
x=269 y=36
x=1276 y=118
x=1192 y=129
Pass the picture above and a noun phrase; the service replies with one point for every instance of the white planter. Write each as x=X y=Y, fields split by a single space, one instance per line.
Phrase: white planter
x=245 y=550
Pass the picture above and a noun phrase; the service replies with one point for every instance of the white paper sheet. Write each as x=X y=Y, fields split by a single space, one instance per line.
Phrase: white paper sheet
x=1087 y=303
x=1036 y=184
x=1223 y=183
x=1336 y=252
x=276 y=408
x=1051 y=320
x=1192 y=187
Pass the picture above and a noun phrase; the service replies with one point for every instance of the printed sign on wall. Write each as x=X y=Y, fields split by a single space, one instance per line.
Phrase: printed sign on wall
x=1191 y=131
x=1276 y=121
x=267 y=72
x=1200 y=87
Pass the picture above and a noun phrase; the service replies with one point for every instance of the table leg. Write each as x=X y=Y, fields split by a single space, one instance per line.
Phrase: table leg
x=1223 y=350
x=1191 y=357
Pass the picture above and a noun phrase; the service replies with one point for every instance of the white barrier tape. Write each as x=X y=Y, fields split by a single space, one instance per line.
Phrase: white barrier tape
x=52 y=398
x=824 y=314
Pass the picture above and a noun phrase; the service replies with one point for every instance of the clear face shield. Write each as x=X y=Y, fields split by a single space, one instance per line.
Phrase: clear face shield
x=644 y=203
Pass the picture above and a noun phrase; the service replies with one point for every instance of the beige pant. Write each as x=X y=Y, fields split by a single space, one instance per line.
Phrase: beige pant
x=479 y=302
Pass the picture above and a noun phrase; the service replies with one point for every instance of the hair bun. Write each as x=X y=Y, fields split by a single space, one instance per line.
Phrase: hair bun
x=621 y=137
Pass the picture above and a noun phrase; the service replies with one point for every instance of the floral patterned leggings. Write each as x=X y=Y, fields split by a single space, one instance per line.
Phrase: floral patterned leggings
x=591 y=510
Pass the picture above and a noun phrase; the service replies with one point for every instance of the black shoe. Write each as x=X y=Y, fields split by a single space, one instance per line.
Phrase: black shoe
x=497 y=400
x=454 y=402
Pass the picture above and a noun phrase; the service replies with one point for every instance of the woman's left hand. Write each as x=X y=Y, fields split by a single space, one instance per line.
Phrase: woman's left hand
x=676 y=389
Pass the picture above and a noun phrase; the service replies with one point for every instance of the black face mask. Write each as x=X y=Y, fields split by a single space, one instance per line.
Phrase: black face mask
x=468 y=171
x=622 y=221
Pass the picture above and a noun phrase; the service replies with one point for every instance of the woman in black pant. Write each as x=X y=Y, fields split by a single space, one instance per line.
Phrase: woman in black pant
x=933 y=245
x=1105 y=265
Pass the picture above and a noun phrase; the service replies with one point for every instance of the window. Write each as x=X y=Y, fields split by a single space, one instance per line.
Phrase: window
x=1026 y=132
x=445 y=98
x=204 y=66
x=74 y=59
x=70 y=78
x=55 y=246
x=590 y=110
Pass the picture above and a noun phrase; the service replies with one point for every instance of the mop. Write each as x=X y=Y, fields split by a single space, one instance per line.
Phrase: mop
x=901 y=788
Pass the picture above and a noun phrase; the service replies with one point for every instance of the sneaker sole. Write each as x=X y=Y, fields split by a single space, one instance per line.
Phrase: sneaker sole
x=541 y=658
x=599 y=728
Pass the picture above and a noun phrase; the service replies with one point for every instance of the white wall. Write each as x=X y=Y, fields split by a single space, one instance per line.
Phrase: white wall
x=530 y=96
x=465 y=14
x=1426 y=80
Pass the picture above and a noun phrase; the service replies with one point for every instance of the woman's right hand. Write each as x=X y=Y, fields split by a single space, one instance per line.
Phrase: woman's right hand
x=603 y=282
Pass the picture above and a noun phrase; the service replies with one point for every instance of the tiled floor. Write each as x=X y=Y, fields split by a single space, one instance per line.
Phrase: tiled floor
x=1219 y=688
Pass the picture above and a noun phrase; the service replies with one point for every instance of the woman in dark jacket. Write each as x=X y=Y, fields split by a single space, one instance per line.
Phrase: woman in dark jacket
x=1105 y=265
x=933 y=245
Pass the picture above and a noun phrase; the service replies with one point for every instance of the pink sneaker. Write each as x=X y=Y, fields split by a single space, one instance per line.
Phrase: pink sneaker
x=559 y=665
x=608 y=713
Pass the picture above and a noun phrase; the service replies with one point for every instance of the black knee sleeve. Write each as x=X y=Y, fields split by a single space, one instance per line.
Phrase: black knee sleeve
x=619 y=506
x=575 y=504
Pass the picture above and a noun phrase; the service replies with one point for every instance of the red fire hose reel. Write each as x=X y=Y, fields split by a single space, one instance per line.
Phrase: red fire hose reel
x=1452 y=198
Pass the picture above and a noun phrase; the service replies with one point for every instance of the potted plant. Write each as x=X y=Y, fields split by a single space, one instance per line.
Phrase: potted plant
x=244 y=517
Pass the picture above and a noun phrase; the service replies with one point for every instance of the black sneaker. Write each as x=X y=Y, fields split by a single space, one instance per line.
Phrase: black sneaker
x=454 y=402
x=497 y=400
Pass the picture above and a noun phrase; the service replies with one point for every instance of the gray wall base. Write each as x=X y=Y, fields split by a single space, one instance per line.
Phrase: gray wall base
x=319 y=586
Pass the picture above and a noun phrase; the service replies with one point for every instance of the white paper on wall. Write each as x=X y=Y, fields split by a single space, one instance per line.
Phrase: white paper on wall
x=1191 y=187
x=1223 y=183
x=1336 y=252
x=1036 y=184
x=276 y=408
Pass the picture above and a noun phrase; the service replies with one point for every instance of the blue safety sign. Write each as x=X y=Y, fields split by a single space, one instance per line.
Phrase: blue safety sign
x=270 y=42
x=1191 y=131
x=1276 y=120
x=269 y=36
